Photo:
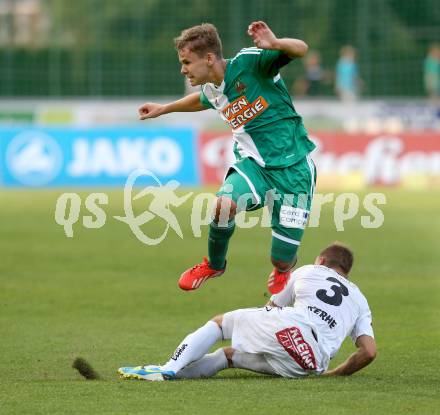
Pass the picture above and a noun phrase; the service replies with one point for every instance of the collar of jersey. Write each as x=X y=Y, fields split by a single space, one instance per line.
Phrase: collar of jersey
x=332 y=270
x=221 y=87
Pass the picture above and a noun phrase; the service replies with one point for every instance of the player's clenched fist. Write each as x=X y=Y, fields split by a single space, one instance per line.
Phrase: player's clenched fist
x=150 y=110
x=262 y=35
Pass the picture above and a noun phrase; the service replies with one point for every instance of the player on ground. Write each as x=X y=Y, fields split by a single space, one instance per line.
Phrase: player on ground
x=270 y=142
x=296 y=334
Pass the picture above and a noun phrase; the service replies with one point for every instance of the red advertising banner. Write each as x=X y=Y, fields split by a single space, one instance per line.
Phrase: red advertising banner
x=215 y=156
x=349 y=160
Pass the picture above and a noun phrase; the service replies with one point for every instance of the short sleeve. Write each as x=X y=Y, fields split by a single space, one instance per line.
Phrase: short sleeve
x=266 y=62
x=286 y=297
x=270 y=61
x=363 y=325
x=205 y=102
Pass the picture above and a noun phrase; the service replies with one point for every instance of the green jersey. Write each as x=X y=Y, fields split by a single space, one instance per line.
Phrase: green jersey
x=254 y=101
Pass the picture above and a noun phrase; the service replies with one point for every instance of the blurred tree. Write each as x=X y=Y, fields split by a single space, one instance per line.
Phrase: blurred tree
x=125 y=47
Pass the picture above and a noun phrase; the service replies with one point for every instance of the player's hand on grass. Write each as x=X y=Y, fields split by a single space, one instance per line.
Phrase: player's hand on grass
x=151 y=110
x=261 y=34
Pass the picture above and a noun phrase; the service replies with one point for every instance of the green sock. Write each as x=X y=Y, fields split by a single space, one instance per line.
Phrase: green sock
x=283 y=251
x=218 y=242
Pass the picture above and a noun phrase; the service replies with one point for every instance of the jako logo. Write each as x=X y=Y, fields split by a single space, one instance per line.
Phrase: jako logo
x=119 y=158
x=179 y=351
x=34 y=158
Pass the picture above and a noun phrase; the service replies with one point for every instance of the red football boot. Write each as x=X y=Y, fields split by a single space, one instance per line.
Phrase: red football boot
x=277 y=280
x=194 y=277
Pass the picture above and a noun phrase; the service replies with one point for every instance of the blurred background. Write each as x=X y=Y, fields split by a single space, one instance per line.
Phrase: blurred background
x=72 y=75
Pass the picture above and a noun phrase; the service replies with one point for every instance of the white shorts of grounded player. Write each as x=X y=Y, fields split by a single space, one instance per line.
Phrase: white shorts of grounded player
x=288 y=342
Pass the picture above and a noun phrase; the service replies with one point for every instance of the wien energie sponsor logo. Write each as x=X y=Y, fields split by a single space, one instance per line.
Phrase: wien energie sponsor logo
x=240 y=111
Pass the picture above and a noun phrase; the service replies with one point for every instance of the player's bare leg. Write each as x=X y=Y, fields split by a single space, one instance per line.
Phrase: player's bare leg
x=220 y=231
x=255 y=362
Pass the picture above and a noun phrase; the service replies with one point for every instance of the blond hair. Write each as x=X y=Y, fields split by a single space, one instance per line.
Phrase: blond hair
x=201 y=40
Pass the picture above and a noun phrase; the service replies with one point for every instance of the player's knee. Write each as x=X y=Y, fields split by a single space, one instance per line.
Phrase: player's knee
x=225 y=209
x=229 y=352
x=218 y=320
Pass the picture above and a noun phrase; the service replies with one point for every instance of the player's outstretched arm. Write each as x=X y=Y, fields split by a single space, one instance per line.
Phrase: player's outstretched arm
x=264 y=38
x=362 y=357
x=189 y=103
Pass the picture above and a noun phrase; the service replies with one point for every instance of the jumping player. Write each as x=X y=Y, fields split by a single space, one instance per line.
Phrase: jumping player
x=295 y=335
x=270 y=142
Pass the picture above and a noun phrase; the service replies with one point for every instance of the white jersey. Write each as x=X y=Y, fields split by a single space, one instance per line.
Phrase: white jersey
x=334 y=306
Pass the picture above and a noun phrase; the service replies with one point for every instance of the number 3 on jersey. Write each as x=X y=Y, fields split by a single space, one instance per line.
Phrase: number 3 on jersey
x=339 y=290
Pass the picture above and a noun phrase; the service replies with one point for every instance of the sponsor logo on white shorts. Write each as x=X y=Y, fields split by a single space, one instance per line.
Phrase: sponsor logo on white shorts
x=294 y=344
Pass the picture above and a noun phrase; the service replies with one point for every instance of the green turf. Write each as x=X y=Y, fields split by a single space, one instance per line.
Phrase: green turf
x=106 y=297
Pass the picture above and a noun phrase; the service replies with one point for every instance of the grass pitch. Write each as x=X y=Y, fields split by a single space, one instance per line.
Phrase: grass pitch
x=106 y=297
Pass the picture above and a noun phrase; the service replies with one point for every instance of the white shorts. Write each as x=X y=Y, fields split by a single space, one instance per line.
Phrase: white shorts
x=284 y=338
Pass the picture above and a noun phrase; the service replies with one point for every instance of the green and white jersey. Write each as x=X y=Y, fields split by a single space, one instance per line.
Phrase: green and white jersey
x=254 y=101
